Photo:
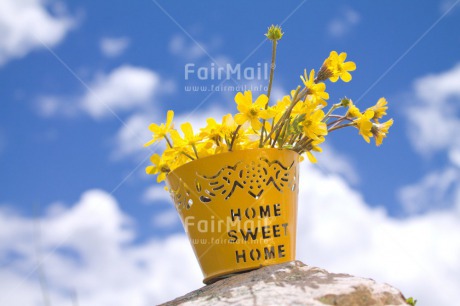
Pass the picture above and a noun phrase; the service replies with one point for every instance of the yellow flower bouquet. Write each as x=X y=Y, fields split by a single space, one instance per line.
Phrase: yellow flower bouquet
x=235 y=182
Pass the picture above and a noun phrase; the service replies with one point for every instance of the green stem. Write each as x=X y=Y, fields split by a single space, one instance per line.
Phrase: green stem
x=270 y=83
x=302 y=145
x=233 y=138
x=285 y=135
x=272 y=69
x=337 y=122
x=336 y=116
x=168 y=141
x=341 y=126
x=297 y=97
x=194 y=150
x=186 y=154
x=296 y=138
x=333 y=108
x=275 y=127
x=283 y=131
x=291 y=140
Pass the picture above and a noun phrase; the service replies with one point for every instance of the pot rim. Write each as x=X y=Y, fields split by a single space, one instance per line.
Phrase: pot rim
x=180 y=168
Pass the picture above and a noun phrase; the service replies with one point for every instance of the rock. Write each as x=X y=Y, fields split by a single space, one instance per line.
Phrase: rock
x=293 y=283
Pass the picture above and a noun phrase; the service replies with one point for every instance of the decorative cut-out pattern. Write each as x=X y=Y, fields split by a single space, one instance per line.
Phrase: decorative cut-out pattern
x=254 y=178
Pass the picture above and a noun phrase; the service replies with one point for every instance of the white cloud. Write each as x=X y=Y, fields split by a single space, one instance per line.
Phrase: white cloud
x=454 y=157
x=277 y=93
x=27 y=25
x=113 y=47
x=438 y=88
x=155 y=194
x=189 y=51
x=343 y=24
x=94 y=258
x=130 y=138
x=198 y=117
x=336 y=231
x=434 y=112
x=166 y=219
x=433 y=123
x=436 y=190
x=332 y=161
x=192 y=50
x=49 y=106
x=124 y=88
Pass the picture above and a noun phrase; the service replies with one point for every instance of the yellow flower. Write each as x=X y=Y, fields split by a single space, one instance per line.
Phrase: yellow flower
x=379 y=109
x=353 y=111
x=218 y=135
x=364 y=124
x=316 y=100
x=314 y=147
x=315 y=89
x=190 y=139
x=228 y=125
x=281 y=106
x=177 y=156
x=310 y=104
x=160 y=165
x=160 y=131
x=206 y=149
x=249 y=111
x=337 y=67
x=221 y=134
x=380 y=131
x=313 y=126
x=277 y=110
x=212 y=131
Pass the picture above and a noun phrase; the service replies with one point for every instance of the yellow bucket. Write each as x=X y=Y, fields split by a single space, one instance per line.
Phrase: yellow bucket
x=239 y=209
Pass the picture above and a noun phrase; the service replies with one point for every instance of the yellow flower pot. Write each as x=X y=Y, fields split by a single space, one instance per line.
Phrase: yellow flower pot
x=239 y=209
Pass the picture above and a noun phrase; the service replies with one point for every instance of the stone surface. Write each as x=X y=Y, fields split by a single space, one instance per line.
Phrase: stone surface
x=293 y=283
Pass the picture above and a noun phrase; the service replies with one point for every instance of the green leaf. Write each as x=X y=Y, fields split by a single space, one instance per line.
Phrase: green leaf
x=411 y=301
x=296 y=125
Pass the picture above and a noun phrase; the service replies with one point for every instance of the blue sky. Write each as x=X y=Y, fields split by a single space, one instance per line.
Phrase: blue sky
x=80 y=82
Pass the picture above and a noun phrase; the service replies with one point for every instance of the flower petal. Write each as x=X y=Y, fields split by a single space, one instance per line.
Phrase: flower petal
x=148 y=143
x=240 y=119
x=248 y=96
x=151 y=170
x=239 y=98
x=333 y=79
x=169 y=118
x=256 y=124
x=187 y=130
x=349 y=66
x=311 y=157
x=261 y=101
x=346 y=76
x=155 y=159
x=154 y=128
x=312 y=76
x=161 y=177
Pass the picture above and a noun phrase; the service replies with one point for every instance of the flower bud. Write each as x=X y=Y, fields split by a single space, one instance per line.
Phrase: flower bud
x=345 y=102
x=274 y=33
